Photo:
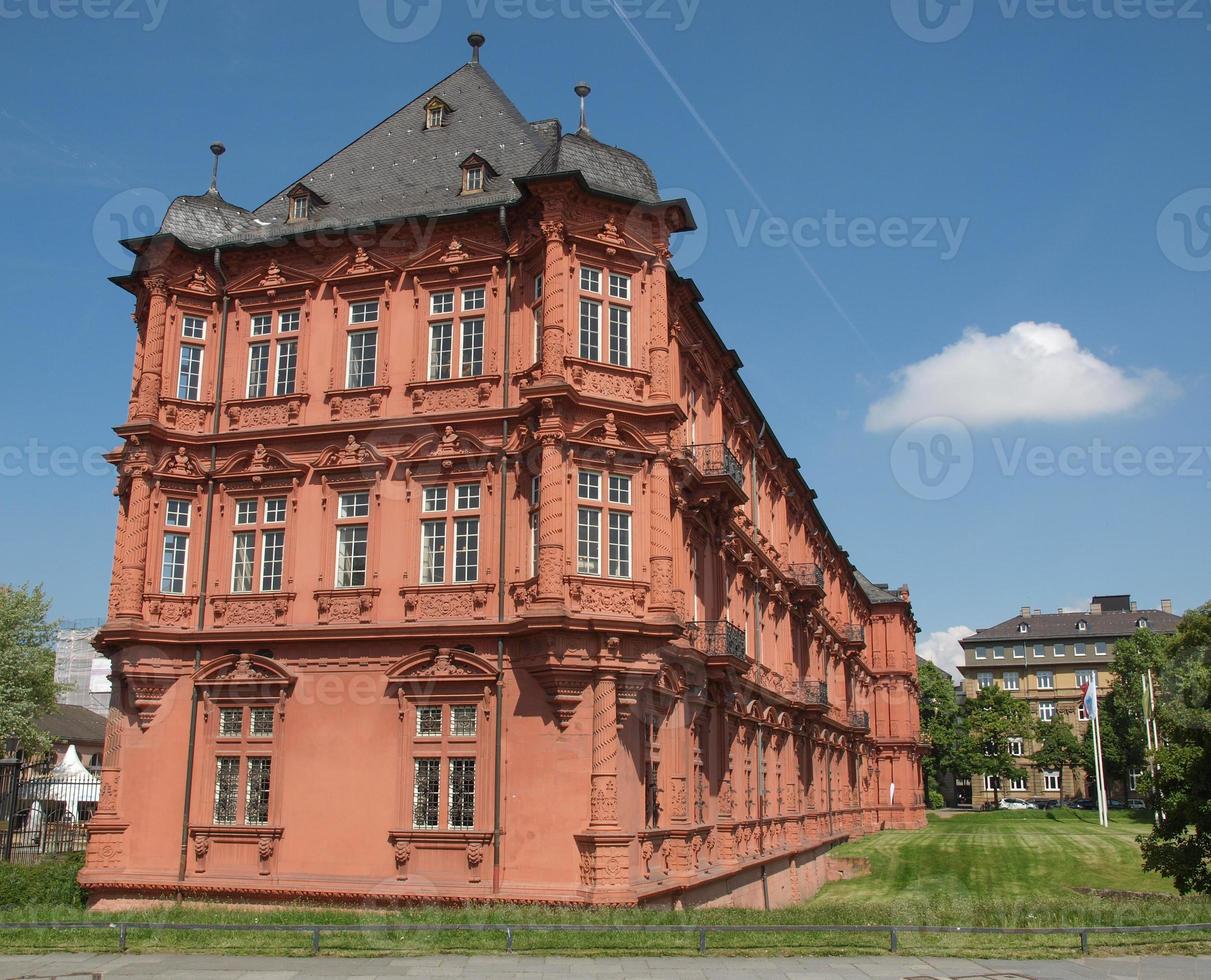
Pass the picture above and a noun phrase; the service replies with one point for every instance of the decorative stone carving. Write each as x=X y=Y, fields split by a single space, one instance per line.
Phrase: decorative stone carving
x=262 y=609
x=345 y=605
x=446 y=602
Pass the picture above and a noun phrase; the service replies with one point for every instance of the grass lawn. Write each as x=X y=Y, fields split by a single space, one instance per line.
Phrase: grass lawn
x=1015 y=869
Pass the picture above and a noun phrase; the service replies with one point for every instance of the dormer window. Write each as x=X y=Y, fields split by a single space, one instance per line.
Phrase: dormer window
x=476 y=172
x=1141 y=623
x=1082 y=625
x=435 y=114
x=1023 y=627
x=302 y=203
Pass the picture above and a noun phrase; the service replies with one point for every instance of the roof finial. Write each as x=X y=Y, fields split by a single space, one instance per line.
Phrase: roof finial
x=582 y=89
x=476 y=41
x=218 y=149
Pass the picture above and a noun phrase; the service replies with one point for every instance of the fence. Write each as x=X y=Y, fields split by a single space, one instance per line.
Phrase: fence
x=508 y=931
x=44 y=807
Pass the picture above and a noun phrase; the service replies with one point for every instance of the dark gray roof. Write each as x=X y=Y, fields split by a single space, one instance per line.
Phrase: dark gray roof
x=72 y=723
x=604 y=168
x=204 y=220
x=876 y=593
x=401 y=169
x=1063 y=626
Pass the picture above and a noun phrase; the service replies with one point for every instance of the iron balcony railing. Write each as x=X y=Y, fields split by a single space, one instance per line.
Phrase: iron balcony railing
x=715 y=459
x=859 y=720
x=717 y=638
x=814 y=692
x=854 y=633
x=808 y=575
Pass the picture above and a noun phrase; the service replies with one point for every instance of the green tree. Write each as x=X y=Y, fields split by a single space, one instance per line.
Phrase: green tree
x=1180 y=847
x=941 y=723
x=991 y=719
x=27 y=665
x=1058 y=747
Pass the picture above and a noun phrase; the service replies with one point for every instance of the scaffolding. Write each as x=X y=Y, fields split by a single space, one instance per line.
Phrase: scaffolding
x=83 y=673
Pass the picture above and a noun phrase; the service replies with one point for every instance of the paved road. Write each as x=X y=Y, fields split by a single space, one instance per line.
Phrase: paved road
x=81 y=966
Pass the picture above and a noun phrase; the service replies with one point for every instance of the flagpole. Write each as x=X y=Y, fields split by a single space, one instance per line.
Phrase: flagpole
x=1100 y=769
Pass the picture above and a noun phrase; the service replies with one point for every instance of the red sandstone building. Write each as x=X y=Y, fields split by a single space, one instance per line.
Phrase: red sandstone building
x=455 y=561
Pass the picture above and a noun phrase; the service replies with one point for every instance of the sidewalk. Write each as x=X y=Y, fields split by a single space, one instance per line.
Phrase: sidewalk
x=86 y=965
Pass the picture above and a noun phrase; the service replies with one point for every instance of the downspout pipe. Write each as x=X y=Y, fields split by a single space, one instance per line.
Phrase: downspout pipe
x=208 y=524
x=498 y=734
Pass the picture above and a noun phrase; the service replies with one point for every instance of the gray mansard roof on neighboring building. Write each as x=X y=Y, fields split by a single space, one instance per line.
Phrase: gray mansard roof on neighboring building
x=876 y=593
x=402 y=169
x=1041 y=627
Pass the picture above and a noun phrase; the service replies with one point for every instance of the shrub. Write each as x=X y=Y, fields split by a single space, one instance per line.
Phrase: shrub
x=50 y=882
x=936 y=800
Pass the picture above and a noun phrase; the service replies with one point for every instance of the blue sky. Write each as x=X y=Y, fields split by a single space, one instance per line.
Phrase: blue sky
x=867 y=189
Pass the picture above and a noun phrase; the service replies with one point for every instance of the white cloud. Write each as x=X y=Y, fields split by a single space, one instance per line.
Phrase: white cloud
x=1034 y=372
x=942 y=648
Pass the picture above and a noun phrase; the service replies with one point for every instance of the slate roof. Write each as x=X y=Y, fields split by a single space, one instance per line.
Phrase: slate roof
x=400 y=169
x=1063 y=626
x=876 y=593
x=73 y=723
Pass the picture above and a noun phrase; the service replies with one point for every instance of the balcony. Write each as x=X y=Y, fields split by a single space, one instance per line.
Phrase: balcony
x=854 y=635
x=719 y=473
x=859 y=720
x=718 y=640
x=814 y=693
x=807 y=579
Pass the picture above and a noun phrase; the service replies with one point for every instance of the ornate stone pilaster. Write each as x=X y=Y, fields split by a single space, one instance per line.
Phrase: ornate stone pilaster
x=134 y=469
x=148 y=405
x=661 y=600
x=554 y=330
x=550 y=520
x=603 y=799
x=659 y=350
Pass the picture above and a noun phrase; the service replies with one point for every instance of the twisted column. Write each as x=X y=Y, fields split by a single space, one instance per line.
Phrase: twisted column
x=554 y=330
x=604 y=785
x=659 y=349
x=550 y=519
x=662 y=537
x=148 y=404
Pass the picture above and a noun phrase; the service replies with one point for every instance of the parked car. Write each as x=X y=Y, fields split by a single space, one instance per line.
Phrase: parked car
x=1011 y=803
x=1116 y=804
x=1044 y=802
x=1082 y=804
x=1136 y=804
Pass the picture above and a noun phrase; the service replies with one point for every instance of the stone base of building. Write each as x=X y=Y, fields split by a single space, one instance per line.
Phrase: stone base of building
x=769 y=870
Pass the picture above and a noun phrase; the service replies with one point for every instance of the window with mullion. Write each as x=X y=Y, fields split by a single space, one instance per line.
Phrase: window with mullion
x=465 y=527
x=620 y=336
x=243 y=745
x=362 y=359
x=445 y=767
x=287 y=367
x=617 y=525
x=590 y=330
x=441 y=350
x=264 y=518
x=189 y=378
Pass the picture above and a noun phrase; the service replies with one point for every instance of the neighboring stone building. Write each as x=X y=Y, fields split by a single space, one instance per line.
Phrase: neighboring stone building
x=455 y=561
x=1044 y=658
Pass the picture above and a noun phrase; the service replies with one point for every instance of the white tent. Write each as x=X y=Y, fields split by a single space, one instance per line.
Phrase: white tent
x=69 y=783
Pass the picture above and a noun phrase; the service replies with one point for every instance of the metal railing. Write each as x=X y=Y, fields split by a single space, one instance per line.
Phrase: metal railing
x=854 y=633
x=859 y=719
x=510 y=930
x=813 y=692
x=717 y=638
x=715 y=459
x=807 y=575
x=44 y=809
